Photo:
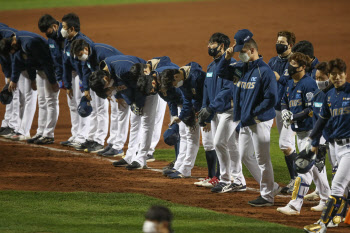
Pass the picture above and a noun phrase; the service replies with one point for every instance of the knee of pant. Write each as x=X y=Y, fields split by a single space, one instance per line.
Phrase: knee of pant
x=287 y=151
x=333 y=210
x=219 y=144
x=300 y=188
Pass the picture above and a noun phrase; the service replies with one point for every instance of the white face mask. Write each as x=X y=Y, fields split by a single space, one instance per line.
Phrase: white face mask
x=244 y=57
x=83 y=57
x=322 y=84
x=180 y=83
x=149 y=227
x=64 y=33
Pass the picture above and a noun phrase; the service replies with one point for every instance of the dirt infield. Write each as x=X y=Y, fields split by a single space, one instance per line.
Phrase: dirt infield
x=180 y=31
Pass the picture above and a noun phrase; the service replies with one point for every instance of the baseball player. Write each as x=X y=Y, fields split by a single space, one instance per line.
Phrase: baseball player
x=256 y=94
x=9 y=123
x=296 y=105
x=190 y=80
x=39 y=65
x=217 y=115
x=279 y=64
x=307 y=48
x=150 y=85
x=152 y=65
x=92 y=54
x=119 y=74
x=73 y=80
x=336 y=110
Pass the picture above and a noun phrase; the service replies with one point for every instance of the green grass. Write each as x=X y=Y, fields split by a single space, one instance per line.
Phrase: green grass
x=33 y=4
x=111 y=212
x=277 y=158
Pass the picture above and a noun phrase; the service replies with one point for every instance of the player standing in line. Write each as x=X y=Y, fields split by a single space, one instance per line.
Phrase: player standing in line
x=296 y=108
x=190 y=80
x=36 y=53
x=10 y=122
x=73 y=78
x=217 y=115
x=117 y=74
x=254 y=101
x=322 y=80
x=279 y=64
x=336 y=110
x=92 y=54
x=152 y=65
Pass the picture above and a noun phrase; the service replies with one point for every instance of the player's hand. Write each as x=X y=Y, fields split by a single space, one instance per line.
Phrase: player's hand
x=175 y=119
x=122 y=102
x=229 y=52
x=70 y=93
x=204 y=113
x=277 y=76
x=87 y=95
x=8 y=80
x=12 y=86
x=207 y=127
x=55 y=87
x=286 y=115
x=314 y=149
x=33 y=85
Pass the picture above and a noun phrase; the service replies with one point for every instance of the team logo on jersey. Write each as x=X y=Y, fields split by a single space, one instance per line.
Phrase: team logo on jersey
x=210 y=74
x=286 y=72
x=317 y=104
x=193 y=91
x=346 y=103
x=88 y=64
x=298 y=96
x=52 y=46
x=309 y=96
x=253 y=79
x=68 y=53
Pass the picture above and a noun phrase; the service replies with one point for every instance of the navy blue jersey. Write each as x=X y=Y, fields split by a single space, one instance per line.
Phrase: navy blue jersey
x=255 y=94
x=298 y=97
x=6 y=31
x=173 y=96
x=5 y=61
x=71 y=63
x=119 y=67
x=317 y=102
x=336 y=108
x=192 y=89
x=159 y=62
x=37 y=52
x=217 y=92
x=56 y=49
x=18 y=65
x=280 y=65
x=98 y=53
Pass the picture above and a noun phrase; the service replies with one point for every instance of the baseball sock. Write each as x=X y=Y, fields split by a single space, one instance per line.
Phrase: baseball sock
x=211 y=162
x=290 y=164
x=217 y=169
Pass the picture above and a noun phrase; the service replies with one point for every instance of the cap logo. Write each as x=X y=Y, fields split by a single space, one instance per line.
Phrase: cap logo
x=247 y=38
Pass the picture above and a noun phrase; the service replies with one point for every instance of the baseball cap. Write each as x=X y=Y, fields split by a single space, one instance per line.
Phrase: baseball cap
x=171 y=136
x=5 y=95
x=241 y=37
x=84 y=108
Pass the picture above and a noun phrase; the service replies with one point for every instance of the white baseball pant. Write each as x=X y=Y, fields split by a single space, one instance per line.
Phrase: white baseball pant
x=259 y=134
x=80 y=125
x=320 y=178
x=141 y=130
x=160 y=112
x=27 y=104
x=48 y=106
x=98 y=129
x=11 y=111
x=119 y=125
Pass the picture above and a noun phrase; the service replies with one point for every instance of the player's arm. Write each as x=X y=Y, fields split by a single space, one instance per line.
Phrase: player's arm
x=57 y=59
x=186 y=106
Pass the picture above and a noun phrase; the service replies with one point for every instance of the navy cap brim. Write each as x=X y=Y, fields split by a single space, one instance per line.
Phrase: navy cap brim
x=238 y=48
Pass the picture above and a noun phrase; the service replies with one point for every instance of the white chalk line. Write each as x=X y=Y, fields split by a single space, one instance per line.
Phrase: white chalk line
x=91 y=155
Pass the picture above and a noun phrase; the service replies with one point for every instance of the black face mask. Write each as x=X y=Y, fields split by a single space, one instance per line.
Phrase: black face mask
x=292 y=70
x=213 y=52
x=281 y=48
